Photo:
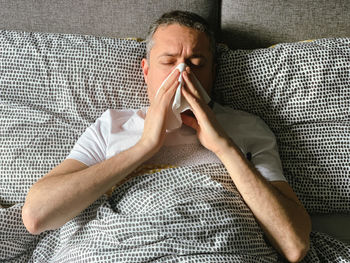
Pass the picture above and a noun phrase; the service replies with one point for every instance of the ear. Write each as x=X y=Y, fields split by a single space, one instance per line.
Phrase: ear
x=144 y=65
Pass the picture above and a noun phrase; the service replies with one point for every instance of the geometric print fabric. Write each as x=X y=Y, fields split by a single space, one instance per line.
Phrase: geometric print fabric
x=184 y=214
x=52 y=86
x=302 y=91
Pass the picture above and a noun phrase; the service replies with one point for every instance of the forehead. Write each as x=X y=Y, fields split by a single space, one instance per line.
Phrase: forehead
x=176 y=38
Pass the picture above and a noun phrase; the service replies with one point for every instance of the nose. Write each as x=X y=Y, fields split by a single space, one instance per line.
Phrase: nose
x=181 y=66
x=181 y=60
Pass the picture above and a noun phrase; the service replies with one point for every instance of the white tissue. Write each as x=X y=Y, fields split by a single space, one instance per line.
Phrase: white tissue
x=179 y=103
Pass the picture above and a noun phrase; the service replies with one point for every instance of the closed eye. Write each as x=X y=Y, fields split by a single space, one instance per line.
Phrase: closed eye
x=196 y=62
x=167 y=62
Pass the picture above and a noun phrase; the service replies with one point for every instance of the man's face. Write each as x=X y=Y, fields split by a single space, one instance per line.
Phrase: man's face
x=176 y=44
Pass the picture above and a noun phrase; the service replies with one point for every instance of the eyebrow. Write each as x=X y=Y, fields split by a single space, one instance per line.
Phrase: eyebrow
x=175 y=54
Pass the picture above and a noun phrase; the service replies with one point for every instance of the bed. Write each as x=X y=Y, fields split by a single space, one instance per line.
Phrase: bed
x=63 y=63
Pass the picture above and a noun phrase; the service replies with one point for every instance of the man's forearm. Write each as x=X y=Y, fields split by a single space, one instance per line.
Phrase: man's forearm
x=284 y=221
x=57 y=198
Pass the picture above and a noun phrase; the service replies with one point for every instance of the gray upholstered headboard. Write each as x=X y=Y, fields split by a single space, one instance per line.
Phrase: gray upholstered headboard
x=111 y=18
x=261 y=23
x=239 y=23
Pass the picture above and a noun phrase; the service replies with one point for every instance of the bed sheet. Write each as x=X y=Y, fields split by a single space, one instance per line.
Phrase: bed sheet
x=183 y=214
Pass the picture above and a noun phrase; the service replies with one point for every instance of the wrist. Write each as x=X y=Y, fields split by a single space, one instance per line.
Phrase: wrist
x=147 y=148
x=225 y=147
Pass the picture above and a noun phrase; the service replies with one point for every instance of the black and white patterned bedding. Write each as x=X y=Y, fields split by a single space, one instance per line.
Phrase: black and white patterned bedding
x=52 y=86
x=302 y=91
x=185 y=214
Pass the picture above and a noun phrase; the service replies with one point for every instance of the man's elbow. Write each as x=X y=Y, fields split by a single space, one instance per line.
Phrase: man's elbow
x=31 y=221
x=299 y=251
x=299 y=242
x=296 y=255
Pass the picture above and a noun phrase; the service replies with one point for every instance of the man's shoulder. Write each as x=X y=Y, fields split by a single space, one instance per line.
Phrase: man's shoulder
x=234 y=113
x=243 y=120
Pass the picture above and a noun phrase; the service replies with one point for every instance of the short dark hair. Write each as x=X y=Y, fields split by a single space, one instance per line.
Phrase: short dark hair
x=183 y=18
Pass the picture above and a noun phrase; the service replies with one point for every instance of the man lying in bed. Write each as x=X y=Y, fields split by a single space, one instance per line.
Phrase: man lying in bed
x=121 y=141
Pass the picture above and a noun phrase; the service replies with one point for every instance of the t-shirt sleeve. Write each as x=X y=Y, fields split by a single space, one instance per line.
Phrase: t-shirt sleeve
x=91 y=146
x=264 y=152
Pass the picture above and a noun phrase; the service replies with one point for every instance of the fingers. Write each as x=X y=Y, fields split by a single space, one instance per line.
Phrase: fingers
x=189 y=80
x=167 y=91
x=155 y=122
x=169 y=82
x=170 y=92
x=196 y=102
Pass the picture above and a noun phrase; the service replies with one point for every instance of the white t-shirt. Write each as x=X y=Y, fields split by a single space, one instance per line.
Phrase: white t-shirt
x=118 y=130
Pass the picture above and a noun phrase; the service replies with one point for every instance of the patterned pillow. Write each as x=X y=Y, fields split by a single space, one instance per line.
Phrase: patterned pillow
x=54 y=85
x=302 y=91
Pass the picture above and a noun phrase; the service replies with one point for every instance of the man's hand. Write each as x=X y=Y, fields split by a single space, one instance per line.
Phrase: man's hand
x=155 y=122
x=209 y=132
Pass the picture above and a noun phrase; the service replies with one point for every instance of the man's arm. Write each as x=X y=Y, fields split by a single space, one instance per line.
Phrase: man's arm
x=72 y=186
x=275 y=205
